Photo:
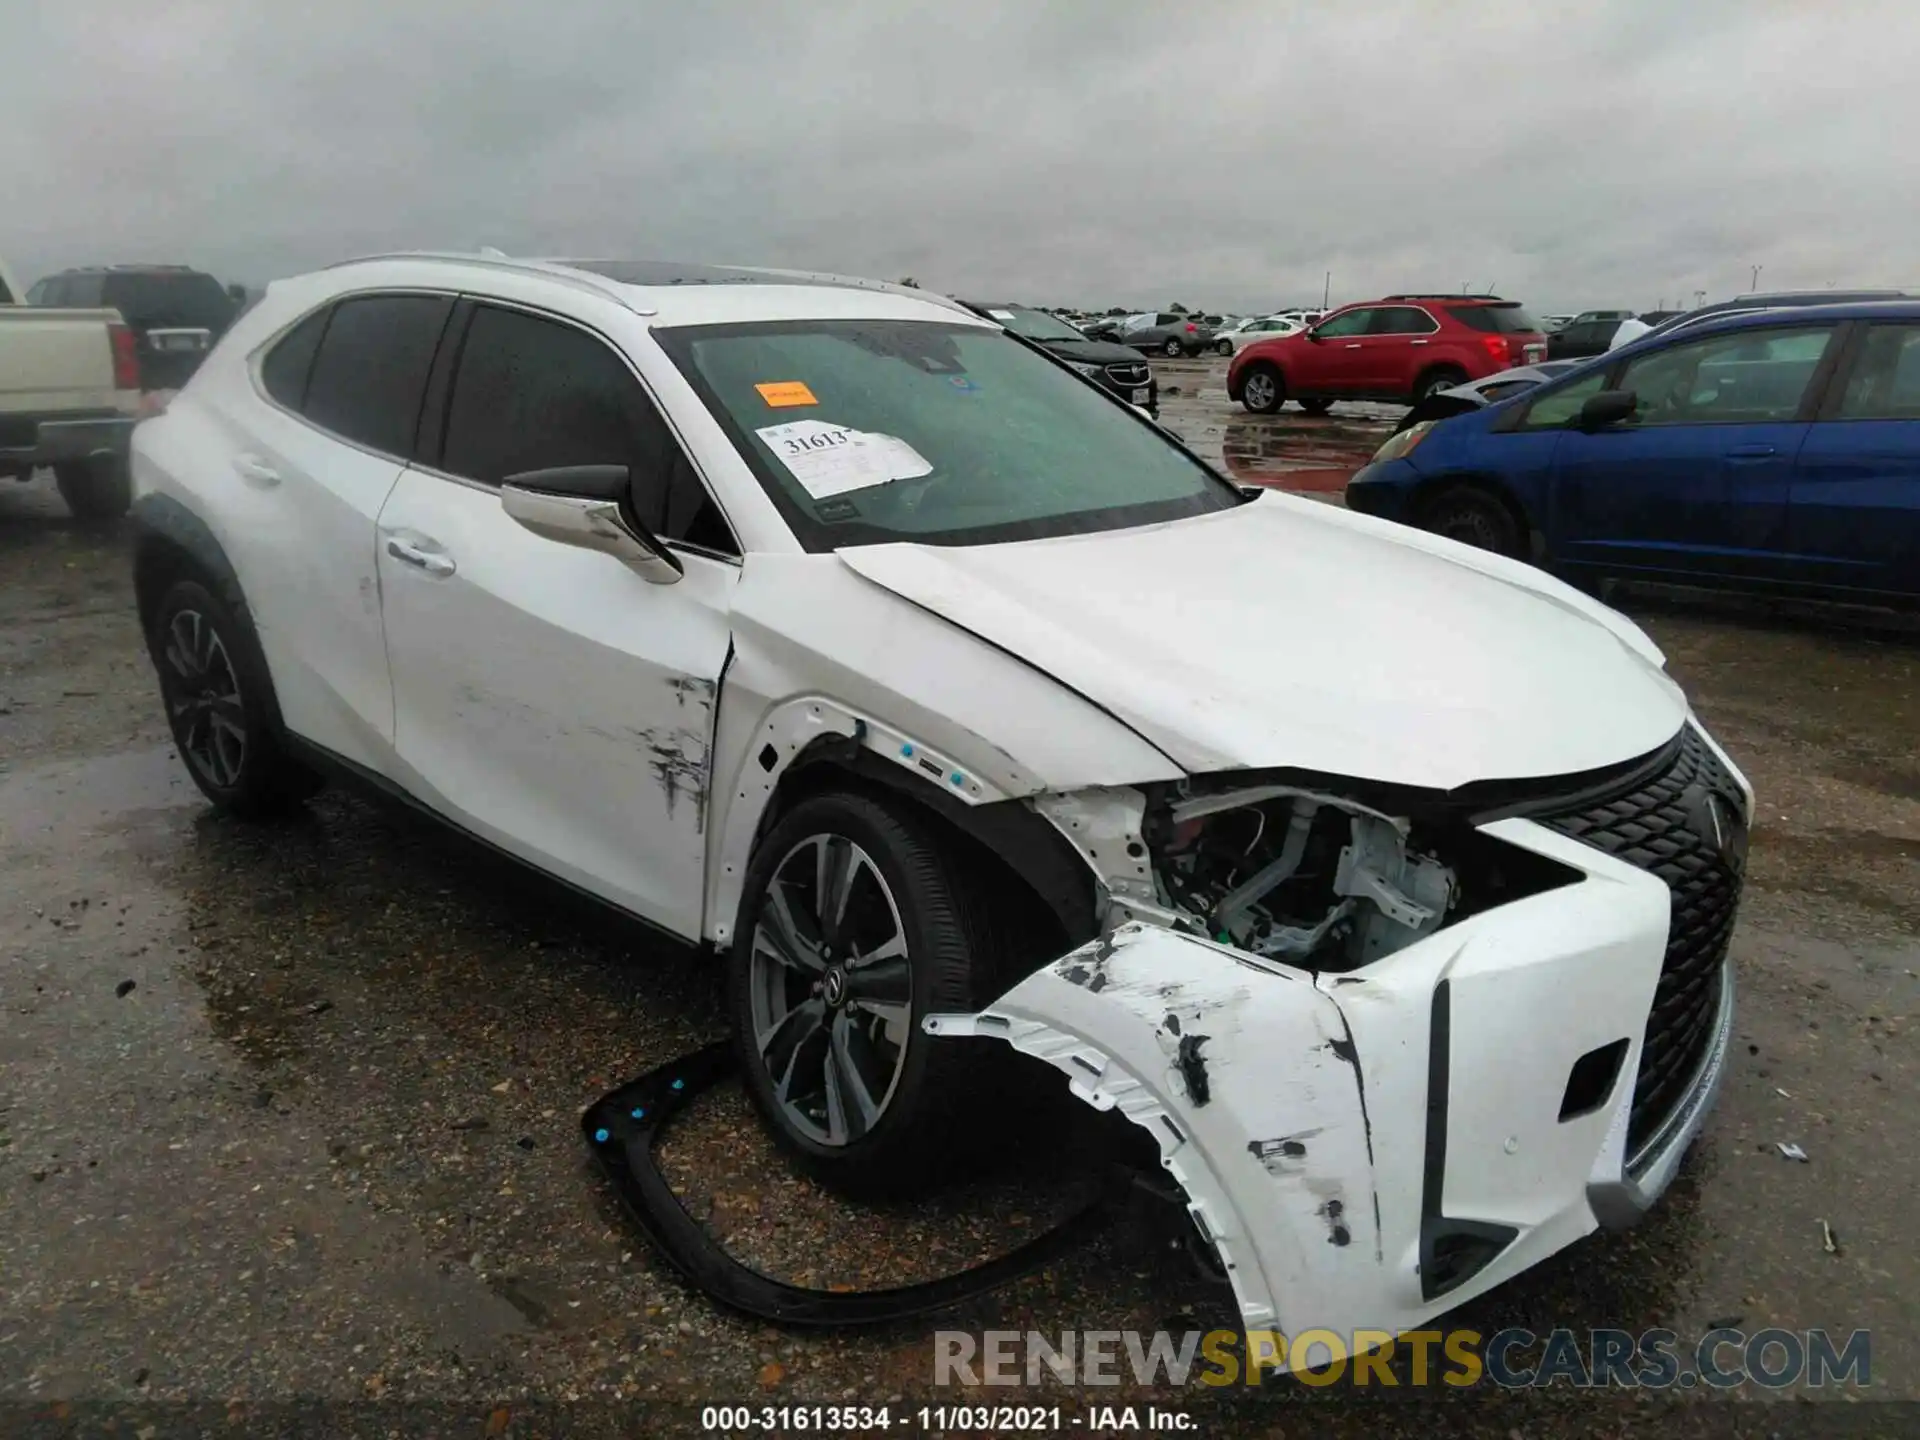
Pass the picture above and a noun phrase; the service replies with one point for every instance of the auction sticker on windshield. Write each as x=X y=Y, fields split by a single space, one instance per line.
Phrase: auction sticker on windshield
x=830 y=460
x=779 y=394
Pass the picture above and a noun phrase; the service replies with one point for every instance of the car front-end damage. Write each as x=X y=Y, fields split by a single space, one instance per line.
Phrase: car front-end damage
x=1398 y=1046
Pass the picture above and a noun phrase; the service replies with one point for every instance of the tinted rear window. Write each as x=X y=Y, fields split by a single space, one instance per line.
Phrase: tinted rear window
x=1495 y=319
x=185 y=300
x=284 y=372
x=372 y=368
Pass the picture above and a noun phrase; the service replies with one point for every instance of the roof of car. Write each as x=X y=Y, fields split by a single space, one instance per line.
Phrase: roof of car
x=1777 y=313
x=657 y=280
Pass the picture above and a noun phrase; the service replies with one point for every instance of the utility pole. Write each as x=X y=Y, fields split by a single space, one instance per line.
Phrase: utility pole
x=1699 y=298
x=1756 y=279
x=1326 y=291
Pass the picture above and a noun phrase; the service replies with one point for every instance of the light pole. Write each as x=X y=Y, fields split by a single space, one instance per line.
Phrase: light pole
x=1699 y=298
x=1756 y=279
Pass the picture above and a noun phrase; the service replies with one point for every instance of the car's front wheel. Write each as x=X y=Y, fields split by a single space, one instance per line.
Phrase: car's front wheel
x=855 y=924
x=1474 y=517
x=220 y=706
x=1262 y=391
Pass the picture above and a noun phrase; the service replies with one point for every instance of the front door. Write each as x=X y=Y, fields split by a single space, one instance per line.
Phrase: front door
x=1696 y=482
x=547 y=697
x=1333 y=358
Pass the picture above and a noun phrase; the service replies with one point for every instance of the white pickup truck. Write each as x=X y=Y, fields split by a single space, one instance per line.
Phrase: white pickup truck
x=69 y=396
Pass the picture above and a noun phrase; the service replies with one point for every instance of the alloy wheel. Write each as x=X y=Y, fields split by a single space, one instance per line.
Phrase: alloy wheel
x=1259 y=390
x=203 y=699
x=830 y=990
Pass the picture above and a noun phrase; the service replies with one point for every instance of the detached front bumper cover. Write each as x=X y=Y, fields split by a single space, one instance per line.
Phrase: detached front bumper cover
x=1367 y=1149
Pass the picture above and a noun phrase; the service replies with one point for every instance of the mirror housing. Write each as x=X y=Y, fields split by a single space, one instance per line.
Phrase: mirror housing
x=1609 y=407
x=584 y=506
x=1312 y=333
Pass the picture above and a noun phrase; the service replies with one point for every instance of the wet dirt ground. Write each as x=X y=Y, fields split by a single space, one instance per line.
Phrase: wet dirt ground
x=292 y=1110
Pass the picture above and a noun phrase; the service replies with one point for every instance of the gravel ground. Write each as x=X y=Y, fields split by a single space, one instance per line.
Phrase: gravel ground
x=291 y=1112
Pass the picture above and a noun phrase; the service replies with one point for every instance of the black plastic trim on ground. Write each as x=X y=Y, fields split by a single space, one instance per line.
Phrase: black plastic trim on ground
x=623 y=1128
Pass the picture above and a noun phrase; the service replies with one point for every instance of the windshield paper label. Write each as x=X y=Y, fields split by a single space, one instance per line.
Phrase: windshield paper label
x=833 y=459
x=779 y=394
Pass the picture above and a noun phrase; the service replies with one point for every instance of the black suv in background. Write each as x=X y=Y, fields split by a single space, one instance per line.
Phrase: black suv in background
x=1116 y=366
x=175 y=313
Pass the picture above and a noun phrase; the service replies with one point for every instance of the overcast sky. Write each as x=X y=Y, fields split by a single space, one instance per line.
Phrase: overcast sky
x=1218 y=153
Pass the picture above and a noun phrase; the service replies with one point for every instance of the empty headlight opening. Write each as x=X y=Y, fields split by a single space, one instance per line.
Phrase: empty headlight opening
x=1322 y=881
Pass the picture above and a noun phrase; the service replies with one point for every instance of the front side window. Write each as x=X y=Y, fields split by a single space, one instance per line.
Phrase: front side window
x=1560 y=408
x=1749 y=377
x=371 y=369
x=1885 y=384
x=1351 y=322
x=868 y=431
x=537 y=394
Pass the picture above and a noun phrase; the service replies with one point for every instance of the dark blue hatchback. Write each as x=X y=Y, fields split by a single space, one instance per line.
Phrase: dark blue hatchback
x=1778 y=450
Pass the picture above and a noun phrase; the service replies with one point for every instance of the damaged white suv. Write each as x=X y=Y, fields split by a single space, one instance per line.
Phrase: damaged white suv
x=1386 y=882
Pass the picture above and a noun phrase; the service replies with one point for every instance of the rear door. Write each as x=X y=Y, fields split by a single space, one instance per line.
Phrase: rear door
x=546 y=697
x=1696 y=482
x=1854 y=509
x=1333 y=360
x=311 y=458
x=1397 y=348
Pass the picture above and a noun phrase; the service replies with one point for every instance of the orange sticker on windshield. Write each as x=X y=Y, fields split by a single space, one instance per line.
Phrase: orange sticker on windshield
x=779 y=394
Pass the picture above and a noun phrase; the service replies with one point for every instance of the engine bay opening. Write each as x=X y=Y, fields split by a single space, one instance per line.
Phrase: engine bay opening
x=1323 y=881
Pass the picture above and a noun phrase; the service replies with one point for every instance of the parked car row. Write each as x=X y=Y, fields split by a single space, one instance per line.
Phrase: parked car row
x=1773 y=447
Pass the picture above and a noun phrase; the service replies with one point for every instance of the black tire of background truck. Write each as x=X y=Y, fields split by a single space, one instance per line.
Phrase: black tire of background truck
x=1474 y=517
x=95 y=490
x=268 y=781
x=953 y=937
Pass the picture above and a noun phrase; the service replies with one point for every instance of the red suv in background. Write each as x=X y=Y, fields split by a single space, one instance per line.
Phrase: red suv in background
x=1400 y=349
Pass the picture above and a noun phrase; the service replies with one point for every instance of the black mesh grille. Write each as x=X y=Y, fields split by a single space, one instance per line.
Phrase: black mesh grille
x=1667 y=826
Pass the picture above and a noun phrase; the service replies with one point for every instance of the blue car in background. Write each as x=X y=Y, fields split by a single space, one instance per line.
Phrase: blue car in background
x=1777 y=450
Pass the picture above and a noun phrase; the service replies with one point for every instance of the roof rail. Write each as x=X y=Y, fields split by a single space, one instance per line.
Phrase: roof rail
x=491 y=259
x=1445 y=295
x=855 y=282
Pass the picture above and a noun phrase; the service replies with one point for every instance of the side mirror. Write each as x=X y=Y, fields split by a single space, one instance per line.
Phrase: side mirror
x=1313 y=334
x=1609 y=407
x=585 y=506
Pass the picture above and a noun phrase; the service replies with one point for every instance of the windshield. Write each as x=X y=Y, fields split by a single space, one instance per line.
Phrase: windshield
x=868 y=431
x=1033 y=324
x=161 y=301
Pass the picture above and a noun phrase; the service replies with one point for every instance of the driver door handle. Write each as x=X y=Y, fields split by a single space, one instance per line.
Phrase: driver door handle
x=1354 y=346
x=1751 y=452
x=411 y=554
x=255 y=471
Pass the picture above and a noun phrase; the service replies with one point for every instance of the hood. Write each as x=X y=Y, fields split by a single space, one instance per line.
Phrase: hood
x=1286 y=632
x=1092 y=352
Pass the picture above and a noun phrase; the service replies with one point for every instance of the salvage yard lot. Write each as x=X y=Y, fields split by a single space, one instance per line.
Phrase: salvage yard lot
x=293 y=1110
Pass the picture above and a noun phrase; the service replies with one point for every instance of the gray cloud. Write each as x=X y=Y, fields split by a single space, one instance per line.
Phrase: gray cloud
x=1219 y=152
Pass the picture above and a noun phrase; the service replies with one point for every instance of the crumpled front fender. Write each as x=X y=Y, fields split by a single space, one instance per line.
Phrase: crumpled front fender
x=1366 y=1150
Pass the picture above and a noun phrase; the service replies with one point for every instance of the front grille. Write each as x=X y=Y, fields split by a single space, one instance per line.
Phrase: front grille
x=1667 y=825
x=1129 y=374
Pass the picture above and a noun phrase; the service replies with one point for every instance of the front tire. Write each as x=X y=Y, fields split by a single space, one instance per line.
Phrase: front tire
x=855 y=924
x=220 y=705
x=1223 y=347
x=1262 y=391
x=95 y=490
x=1474 y=517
